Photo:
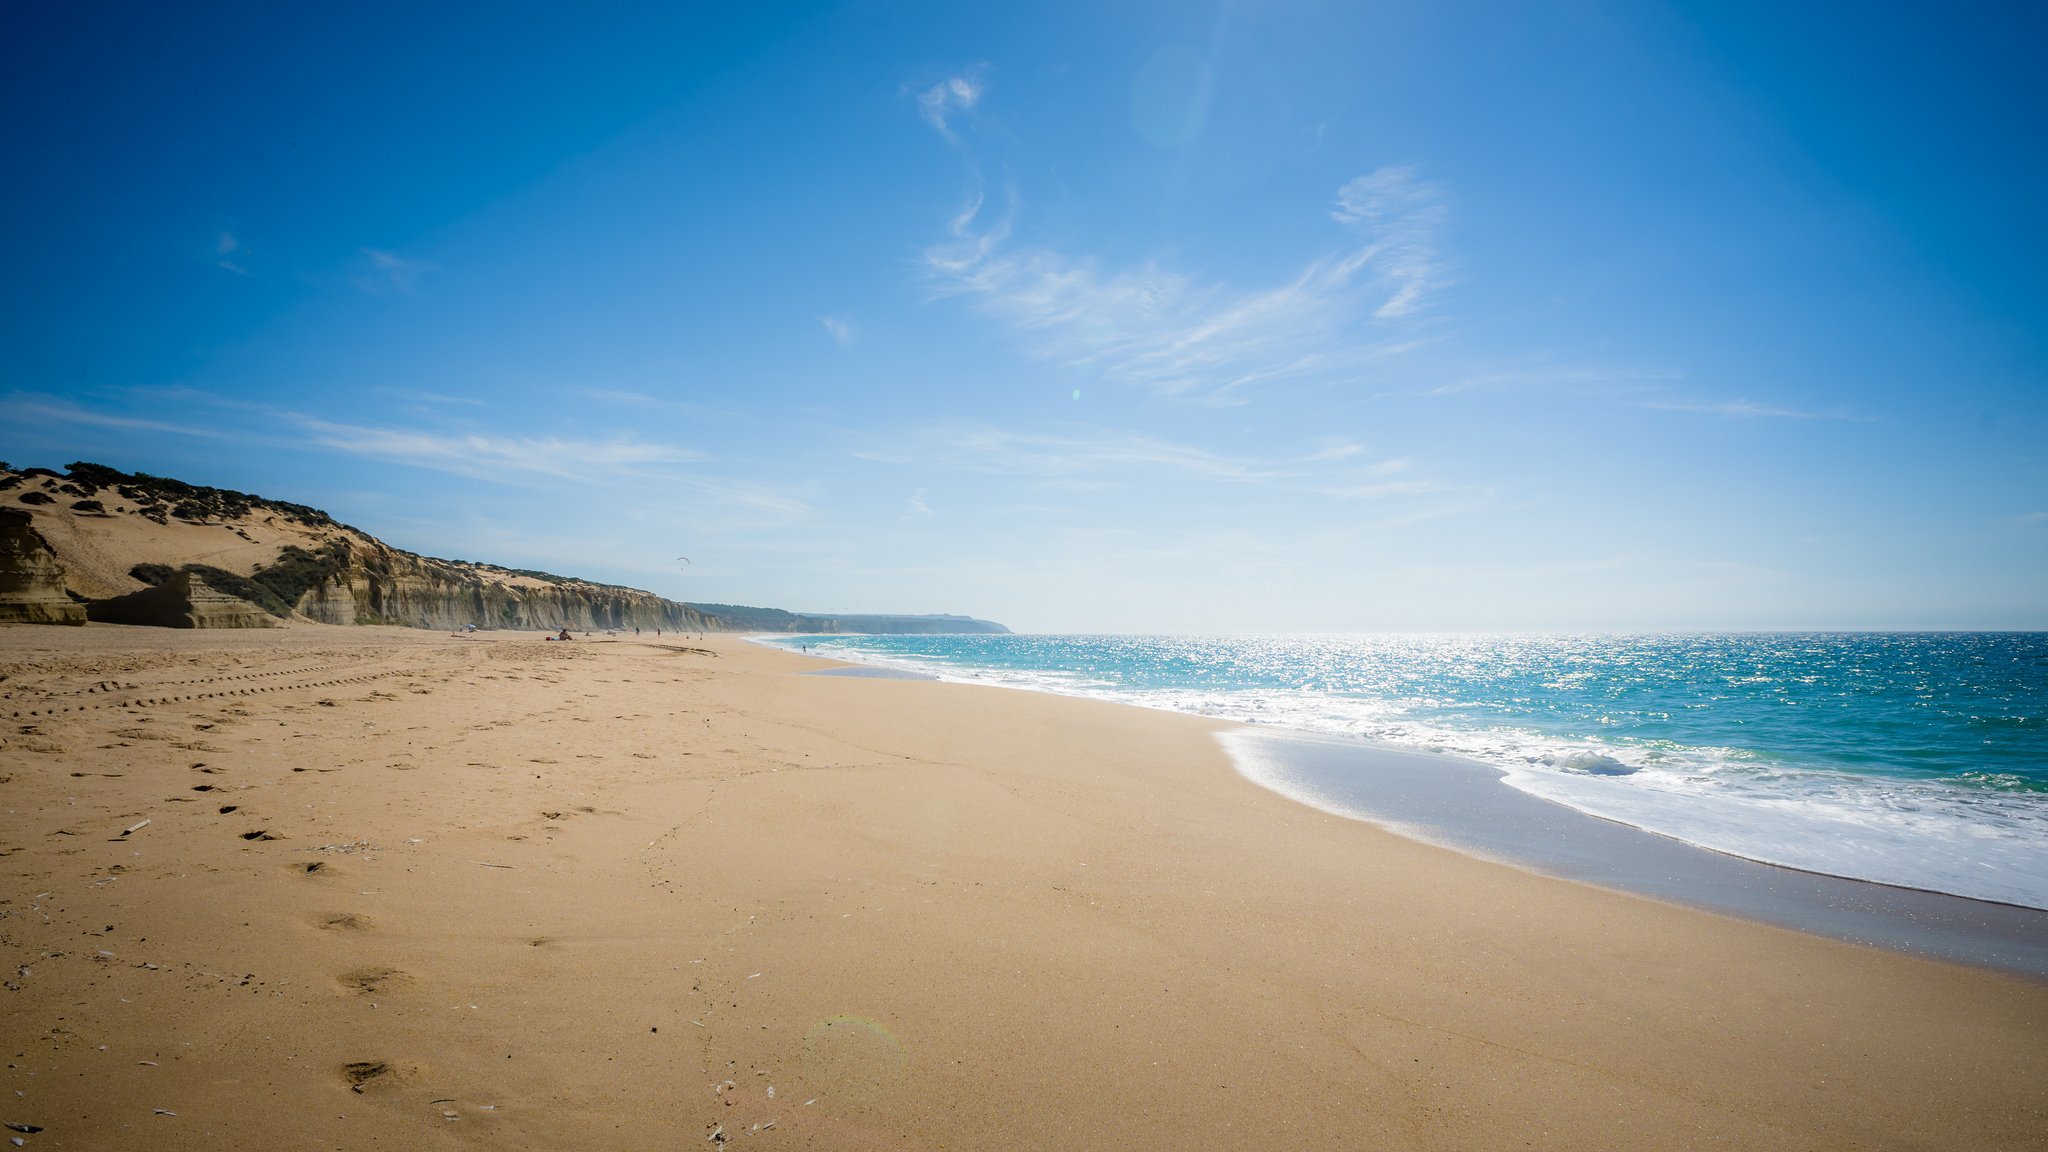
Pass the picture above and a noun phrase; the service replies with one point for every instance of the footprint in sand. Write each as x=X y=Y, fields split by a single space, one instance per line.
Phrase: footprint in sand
x=345 y=922
x=368 y=981
x=363 y=1072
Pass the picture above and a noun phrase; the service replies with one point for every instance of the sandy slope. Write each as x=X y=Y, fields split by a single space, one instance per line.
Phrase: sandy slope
x=98 y=551
x=608 y=894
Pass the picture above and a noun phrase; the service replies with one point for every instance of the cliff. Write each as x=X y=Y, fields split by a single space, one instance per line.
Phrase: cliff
x=31 y=579
x=143 y=548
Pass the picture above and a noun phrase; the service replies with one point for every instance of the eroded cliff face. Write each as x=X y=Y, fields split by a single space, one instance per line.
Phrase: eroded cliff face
x=31 y=579
x=376 y=584
x=186 y=600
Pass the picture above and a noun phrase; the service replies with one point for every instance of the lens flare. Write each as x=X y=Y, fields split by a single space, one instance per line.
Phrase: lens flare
x=852 y=1057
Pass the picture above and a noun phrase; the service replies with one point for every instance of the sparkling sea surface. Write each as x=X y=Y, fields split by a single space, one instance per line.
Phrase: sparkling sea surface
x=1914 y=759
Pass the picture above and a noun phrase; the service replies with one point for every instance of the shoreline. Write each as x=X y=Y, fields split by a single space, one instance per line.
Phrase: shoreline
x=2009 y=934
x=608 y=893
x=1467 y=806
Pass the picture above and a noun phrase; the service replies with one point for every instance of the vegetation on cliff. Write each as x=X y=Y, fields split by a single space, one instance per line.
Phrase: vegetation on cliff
x=277 y=588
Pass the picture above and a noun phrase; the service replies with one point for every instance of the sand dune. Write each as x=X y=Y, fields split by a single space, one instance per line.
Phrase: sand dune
x=324 y=887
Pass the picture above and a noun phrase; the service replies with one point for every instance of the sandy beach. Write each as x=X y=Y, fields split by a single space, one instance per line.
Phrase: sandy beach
x=321 y=887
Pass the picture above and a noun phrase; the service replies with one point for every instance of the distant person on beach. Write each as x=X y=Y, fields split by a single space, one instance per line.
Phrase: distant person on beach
x=564 y=636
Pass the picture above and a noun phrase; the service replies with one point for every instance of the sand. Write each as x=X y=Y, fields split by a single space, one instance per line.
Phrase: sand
x=406 y=890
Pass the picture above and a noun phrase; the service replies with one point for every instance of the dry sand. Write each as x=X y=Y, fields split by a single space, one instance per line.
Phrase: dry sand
x=610 y=894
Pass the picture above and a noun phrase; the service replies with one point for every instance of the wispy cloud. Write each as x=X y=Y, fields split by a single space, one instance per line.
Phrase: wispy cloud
x=939 y=103
x=1402 y=215
x=419 y=397
x=543 y=460
x=492 y=457
x=1338 y=450
x=1089 y=456
x=517 y=460
x=984 y=448
x=484 y=456
x=380 y=273
x=1643 y=387
x=1176 y=334
x=1753 y=410
x=919 y=510
x=23 y=407
x=224 y=248
x=627 y=398
x=840 y=328
x=1533 y=373
x=2032 y=518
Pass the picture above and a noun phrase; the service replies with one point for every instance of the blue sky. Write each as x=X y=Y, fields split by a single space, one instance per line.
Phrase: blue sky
x=1175 y=317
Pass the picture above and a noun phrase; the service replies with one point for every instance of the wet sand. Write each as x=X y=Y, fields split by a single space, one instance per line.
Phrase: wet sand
x=408 y=890
x=1464 y=804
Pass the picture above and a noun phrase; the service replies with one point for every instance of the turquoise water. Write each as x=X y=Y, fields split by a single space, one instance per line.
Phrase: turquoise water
x=1917 y=759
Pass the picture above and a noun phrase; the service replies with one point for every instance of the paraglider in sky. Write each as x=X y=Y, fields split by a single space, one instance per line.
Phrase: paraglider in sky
x=686 y=560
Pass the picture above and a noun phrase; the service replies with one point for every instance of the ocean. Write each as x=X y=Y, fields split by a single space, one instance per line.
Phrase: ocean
x=1912 y=759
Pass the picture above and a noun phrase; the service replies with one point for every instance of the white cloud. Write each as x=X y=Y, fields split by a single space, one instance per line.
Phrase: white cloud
x=941 y=102
x=1380 y=490
x=919 y=510
x=626 y=398
x=1751 y=410
x=516 y=460
x=1401 y=216
x=379 y=272
x=1539 y=375
x=1089 y=456
x=22 y=407
x=224 y=246
x=984 y=448
x=419 y=397
x=492 y=457
x=840 y=328
x=1173 y=334
x=513 y=460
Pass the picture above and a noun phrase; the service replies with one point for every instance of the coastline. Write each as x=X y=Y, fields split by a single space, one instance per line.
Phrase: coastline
x=607 y=893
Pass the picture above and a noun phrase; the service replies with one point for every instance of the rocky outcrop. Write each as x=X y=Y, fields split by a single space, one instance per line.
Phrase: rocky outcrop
x=31 y=579
x=185 y=600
